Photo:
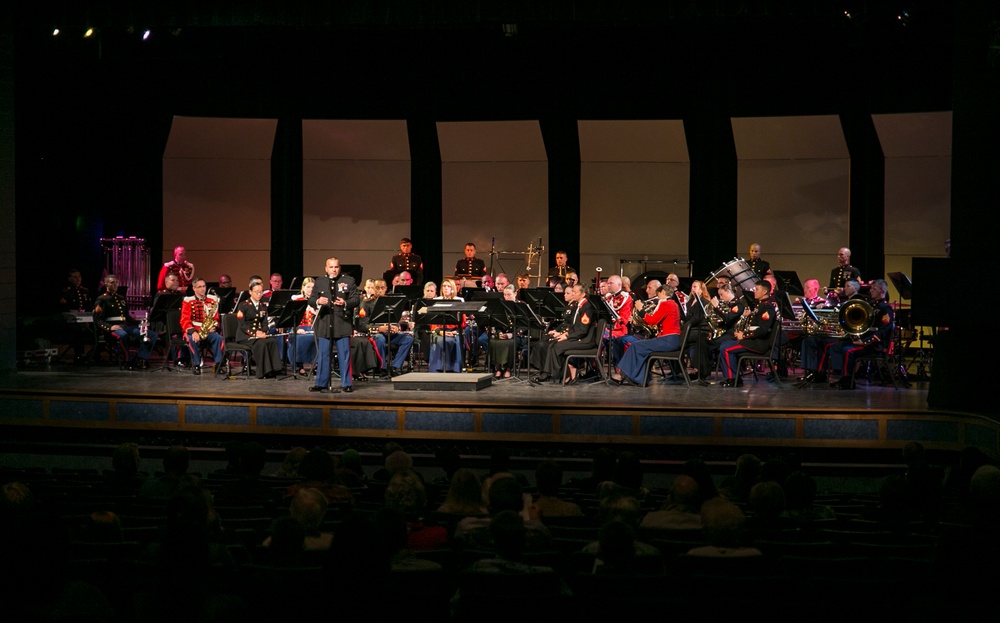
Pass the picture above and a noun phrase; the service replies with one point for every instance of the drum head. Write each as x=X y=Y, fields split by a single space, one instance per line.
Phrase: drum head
x=739 y=273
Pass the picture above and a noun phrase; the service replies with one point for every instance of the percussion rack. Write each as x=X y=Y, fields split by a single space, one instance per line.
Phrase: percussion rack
x=128 y=258
x=645 y=262
x=533 y=253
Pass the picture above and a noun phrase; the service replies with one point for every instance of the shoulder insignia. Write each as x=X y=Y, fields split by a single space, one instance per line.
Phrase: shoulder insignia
x=189 y=299
x=765 y=316
x=585 y=318
x=885 y=319
x=212 y=297
x=734 y=309
x=239 y=314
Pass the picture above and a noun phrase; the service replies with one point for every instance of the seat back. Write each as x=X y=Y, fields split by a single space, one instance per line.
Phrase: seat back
x=230 y=325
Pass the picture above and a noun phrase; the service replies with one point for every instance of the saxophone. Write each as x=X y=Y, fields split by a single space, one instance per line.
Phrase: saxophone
x=209 y=323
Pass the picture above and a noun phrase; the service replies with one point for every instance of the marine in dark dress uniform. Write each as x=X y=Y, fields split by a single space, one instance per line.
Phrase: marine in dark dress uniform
x=406 y=260
x=111 y=315
x=757 y=336
x=252 y=331
x=844 y=272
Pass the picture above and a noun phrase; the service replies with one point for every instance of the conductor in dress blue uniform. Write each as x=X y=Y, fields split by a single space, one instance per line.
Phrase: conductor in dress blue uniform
x=336 y=297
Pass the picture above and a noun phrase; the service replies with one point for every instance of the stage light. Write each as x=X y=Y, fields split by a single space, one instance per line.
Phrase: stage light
x=145 y=35
x=847 y=14
x=89 y=33
x=903 y=18
x=55 y=32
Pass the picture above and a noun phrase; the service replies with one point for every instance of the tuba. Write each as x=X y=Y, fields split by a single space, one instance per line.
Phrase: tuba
x=856 y=316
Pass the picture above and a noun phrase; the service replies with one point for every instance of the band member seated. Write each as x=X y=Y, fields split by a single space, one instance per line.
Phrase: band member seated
x=503 y=346
x=673 y=281
x=404 y=278
x=172 y=284
x=447 y=337
x=252 y=331
x=666 y=316
x=200 y=324
x=336 y=297
x=395 y=333
x=305 y=339
x=811 y=294
x=572 y=278
x=180 y=267
x=877 y=339
x=470 y=269
x=406 y=260
x=488 y=284
x=755 y=338
x=111 y=315
x=430 y=290
x=523 y=281
x=275 y=281
x=579 y=335
x=815 y=353
x=621 y=343
x=621 y=304
x=701 y=316
x=725 y=313
x=560 y=269
x=501 y=281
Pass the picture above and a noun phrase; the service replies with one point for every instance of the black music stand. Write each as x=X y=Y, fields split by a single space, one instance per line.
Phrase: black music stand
x=788 y=280
x=470 y=294
x=493 y=315
x=288 y=316
x=544 y=302
x=227 y=302
x=162 y=303
x=388 y=309
x=526 y=317
x=354 y=270
x=277 y=301
x=410 y=292
x=785 y=305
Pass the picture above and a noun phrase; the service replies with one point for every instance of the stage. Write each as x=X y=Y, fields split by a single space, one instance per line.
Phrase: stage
x=511 y=410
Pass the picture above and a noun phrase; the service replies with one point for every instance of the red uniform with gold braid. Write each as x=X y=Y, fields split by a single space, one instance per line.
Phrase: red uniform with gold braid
x=194 y=313
x=622 y=303
x=183 y=270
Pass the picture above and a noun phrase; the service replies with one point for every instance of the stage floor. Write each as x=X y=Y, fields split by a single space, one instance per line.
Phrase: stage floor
x=761 y=413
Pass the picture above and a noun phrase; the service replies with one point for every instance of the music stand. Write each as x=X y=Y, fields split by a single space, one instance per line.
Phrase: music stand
x=162 y=303
x=226 y=300
x=902 y=284
x=544 y=302
x=785 y=305
x=288 y=317
x=388 y=309
x=410 y=292
x=525 y=317
x=471 y=293
x=278 y=300
x=788 y=280
x=354 y=270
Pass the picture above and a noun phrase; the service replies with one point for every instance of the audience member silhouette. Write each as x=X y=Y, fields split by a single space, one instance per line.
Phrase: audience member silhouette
x=548 y=479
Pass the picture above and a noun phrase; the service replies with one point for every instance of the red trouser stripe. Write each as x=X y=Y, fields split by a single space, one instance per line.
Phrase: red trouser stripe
x=848 y=357
x=729 y=370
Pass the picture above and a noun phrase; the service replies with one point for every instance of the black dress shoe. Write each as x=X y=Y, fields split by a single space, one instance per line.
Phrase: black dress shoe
x=317 y=388
x=844 y=383
x=348 y=389
x=541 y=378
x=142 y=364
x=196 y=370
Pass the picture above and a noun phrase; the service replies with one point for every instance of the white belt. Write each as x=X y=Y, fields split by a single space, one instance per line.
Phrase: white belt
x=115 y=319
x=195 y=324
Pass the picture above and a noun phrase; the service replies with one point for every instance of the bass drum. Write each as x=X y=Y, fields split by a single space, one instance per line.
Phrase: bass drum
x=739 y=273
